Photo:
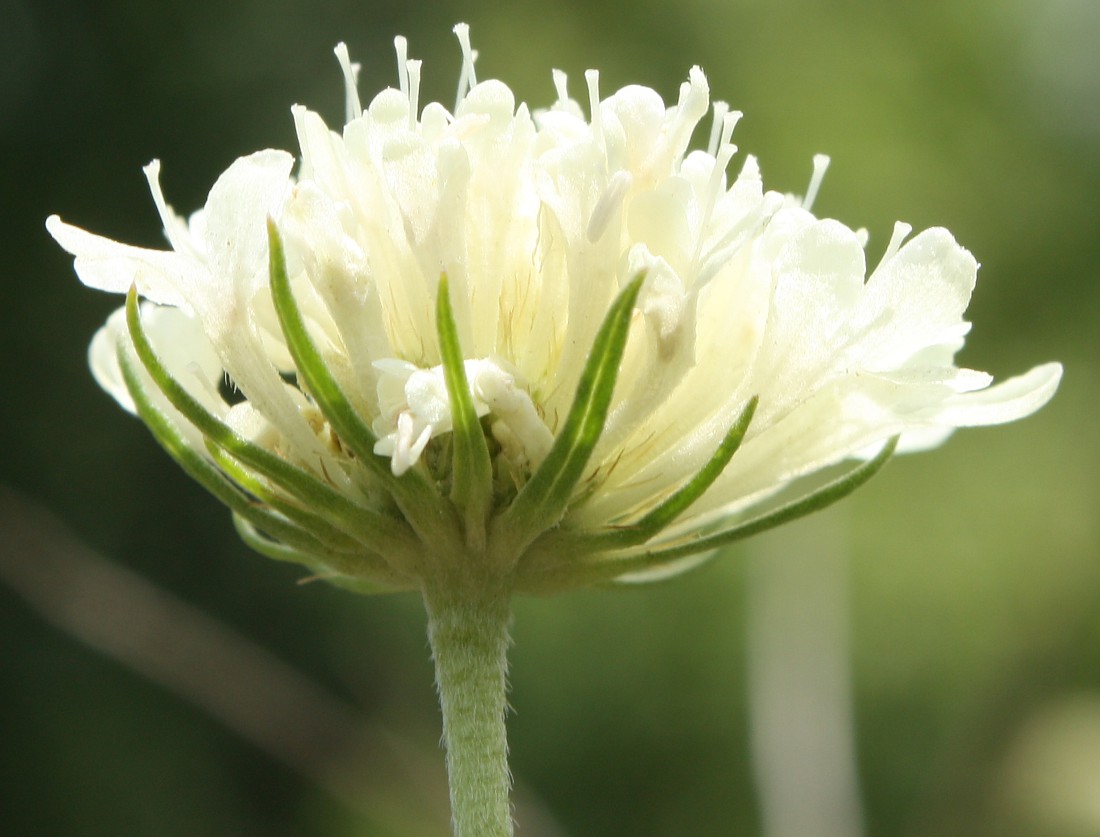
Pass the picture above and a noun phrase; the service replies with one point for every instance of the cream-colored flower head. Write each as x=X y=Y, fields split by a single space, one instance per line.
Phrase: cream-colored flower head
x=528 y=340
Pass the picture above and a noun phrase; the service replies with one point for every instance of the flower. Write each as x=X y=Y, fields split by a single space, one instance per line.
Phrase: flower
x=532 y=341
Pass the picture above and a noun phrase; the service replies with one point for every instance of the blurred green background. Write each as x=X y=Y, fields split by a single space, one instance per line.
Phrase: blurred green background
x=968 y=579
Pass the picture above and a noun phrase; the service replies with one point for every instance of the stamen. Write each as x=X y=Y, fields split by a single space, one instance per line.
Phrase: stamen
x=609 y=201
x=413 y=67
x=468 y=78
x=561 y=85
x=593 y=79
x=175 y=228
x=401 y=47
x=152 y=175
x=821 y=163
x=717 y=126
x=725 y=152
x=690 y=108
x=353 y=108
x=723 y=250
x=901 y=230
x=729 y=122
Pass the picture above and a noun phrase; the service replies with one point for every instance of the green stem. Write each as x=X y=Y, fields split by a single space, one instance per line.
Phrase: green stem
x=468 y=631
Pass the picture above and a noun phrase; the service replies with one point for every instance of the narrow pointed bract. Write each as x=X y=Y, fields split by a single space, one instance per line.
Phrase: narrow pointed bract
x=471 y=471
x=565 y=349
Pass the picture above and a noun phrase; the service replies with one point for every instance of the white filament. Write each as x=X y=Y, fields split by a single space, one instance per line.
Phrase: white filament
x=821 y=163
x=353 y=108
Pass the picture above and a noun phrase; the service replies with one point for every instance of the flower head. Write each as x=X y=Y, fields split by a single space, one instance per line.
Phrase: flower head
x=530 y=341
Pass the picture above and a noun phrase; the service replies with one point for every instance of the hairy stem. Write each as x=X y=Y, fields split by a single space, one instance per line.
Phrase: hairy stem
x=468 y=631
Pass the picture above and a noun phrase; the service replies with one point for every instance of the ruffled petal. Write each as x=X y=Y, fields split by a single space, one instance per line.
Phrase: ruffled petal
x=1009 y=400
x=106 y=265
x=915 y=300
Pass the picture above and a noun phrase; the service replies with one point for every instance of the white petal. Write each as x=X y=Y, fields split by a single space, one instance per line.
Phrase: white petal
x=818 y=282
x=1007 y=401
x=252 y=189
x=186 y=352
x=490 y=98
x=915 y=441
x=916 y=299
x=183 y=349
x=107 y=265
x=635 y=114
x=820 y=274
x=103 y=359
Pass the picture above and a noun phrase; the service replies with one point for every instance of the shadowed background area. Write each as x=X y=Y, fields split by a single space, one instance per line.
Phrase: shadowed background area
x=158 y=678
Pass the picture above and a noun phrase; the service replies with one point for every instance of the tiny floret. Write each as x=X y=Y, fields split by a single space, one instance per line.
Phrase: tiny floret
x=559 y=343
